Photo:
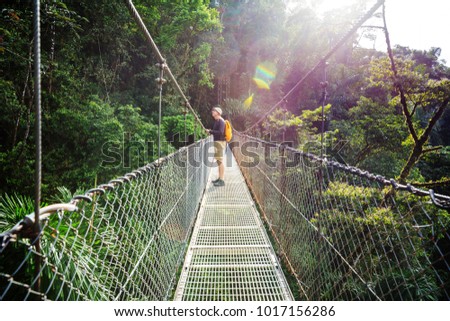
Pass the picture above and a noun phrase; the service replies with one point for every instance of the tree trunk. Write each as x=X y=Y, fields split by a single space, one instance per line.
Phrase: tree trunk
x=419 y=142
x=412 y=160
x=24 y=92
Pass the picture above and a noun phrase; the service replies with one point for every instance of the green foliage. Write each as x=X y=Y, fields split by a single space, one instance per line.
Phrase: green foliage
x=379 y=240
x=14 y=208
x=280 y=120
x=435 y=167
x=375 y=134
x=64 y=195
x=176 y=127
x=309 y=135
x=99 y=97
x=11 y=107
x=306 y=126
x=78 y=159
x=188 y=32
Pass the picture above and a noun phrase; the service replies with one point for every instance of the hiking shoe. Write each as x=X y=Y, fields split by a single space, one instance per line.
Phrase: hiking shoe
x=219 y=182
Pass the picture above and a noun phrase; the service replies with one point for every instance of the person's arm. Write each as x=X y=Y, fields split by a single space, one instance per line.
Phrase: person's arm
x=210 y=131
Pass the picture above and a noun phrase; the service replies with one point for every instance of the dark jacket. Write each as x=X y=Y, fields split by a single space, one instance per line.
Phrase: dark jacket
x=218 y=130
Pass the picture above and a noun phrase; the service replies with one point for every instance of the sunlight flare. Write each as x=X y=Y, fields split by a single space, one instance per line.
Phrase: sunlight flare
x=264 y=75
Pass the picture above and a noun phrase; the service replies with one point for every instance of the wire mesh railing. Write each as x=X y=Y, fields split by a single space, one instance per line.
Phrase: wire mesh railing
x=124 y=240
x=347 y=234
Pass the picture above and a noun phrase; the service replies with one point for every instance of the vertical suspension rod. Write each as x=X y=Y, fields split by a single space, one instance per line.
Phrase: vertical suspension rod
x=38 y=138
x=160 y=82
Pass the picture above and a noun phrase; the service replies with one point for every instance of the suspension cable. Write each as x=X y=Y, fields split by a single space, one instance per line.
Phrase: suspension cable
x=160 y=58
x=38 y=138
x=321 y=62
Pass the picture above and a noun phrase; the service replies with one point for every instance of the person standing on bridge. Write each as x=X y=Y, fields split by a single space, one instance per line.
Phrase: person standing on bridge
x=218 y=132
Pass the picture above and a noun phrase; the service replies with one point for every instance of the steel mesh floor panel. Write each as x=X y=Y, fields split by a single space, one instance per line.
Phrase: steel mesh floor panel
x=233 y=284
x=223 y=216
x=230 y=236
x=231 y=191
x=230 y=256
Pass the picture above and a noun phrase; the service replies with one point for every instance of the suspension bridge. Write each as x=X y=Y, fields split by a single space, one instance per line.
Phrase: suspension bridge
x=286 y=225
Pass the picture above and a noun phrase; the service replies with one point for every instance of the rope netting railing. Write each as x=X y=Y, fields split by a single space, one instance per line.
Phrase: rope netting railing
x=347 y=234
x=124 y=240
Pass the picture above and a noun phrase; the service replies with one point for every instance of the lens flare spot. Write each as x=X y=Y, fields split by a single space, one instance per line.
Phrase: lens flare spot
x=248 y=102
x=261 y=83
x=264 y=75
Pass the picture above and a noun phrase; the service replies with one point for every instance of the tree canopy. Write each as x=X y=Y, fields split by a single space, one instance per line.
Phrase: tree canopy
x=385 y=114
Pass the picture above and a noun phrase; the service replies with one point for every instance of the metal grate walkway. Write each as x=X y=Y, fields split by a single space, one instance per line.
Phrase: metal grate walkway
x=230 y=257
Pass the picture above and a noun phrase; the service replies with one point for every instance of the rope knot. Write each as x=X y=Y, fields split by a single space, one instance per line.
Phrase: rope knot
x=162 y=65
x=160 y=81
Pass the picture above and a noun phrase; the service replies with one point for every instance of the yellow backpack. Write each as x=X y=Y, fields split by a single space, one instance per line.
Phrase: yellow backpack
x=228 y=131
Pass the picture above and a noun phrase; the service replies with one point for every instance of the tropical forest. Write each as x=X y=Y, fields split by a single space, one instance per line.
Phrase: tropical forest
x=357 y=197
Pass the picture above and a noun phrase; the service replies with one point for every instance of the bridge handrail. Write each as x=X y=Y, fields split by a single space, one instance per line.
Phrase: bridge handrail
x=440 y=200
x=24 y=227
